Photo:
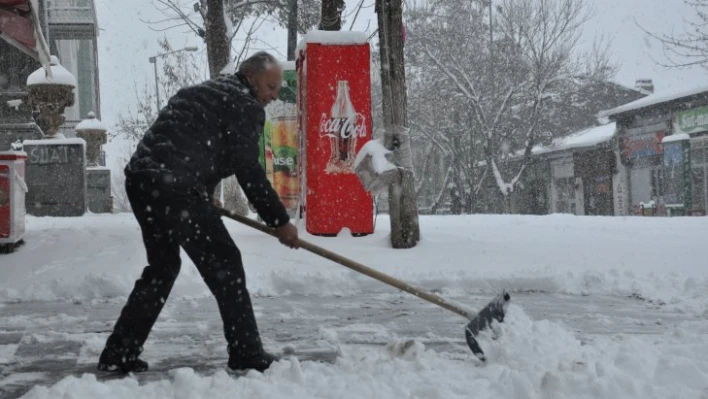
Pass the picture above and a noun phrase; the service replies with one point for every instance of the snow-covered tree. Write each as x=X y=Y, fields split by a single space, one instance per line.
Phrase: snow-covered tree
x=498 y=80
x=245 y=17
x=403 y=208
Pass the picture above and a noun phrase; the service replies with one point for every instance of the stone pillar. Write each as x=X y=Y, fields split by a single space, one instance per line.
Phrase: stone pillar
x=56 y=177
x=98 y=177
x=94 y=133
x=56 y=168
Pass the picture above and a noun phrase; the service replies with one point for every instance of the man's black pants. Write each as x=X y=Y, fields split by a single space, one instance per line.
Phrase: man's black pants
x=170 y=219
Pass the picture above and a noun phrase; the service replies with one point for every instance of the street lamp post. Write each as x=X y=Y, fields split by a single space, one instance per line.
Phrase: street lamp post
x=153 y=60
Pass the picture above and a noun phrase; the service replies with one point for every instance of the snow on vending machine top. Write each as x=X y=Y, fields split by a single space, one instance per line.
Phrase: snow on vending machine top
x=334 y=123
x=12 y=199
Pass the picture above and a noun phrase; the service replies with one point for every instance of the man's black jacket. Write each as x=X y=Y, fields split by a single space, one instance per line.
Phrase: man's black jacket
x=208 y=132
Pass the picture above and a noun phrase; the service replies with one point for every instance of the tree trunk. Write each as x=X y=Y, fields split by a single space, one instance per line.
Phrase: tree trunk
x=218 y=55
x=331 y=16
x=507 y=204
x=405 y=231
x=292 y=30
x=217 y=41
x=456 y=193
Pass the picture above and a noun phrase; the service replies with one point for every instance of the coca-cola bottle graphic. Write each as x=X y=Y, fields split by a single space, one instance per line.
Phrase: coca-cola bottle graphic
x=342 y=127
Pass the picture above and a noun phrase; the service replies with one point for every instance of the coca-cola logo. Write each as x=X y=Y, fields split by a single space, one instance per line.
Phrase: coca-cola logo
x=352 y=126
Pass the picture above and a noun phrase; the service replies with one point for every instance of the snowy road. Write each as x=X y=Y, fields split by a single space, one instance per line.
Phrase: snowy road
x=47 y=341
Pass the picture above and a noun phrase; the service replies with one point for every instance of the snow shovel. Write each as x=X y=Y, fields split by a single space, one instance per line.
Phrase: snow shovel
x=494 y=310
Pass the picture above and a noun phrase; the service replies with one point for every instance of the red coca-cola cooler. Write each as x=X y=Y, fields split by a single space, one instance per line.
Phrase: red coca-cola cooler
x=334 y=122
x=12 y=199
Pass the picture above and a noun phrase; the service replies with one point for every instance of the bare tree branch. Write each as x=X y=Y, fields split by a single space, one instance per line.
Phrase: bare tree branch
x=689 y=48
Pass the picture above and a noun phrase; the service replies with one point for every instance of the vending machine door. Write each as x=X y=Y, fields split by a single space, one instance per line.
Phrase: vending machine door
x=337 y=123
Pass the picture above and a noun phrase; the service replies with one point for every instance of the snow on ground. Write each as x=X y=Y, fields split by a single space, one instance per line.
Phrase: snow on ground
x=533 y=359
x=662 y=259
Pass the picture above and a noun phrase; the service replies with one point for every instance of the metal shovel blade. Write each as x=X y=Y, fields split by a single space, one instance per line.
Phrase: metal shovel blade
x=494 y=310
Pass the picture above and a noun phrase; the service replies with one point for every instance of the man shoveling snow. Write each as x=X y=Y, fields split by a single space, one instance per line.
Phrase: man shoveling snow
x=206 y=133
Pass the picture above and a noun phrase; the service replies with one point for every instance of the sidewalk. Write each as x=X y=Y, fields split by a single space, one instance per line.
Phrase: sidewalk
x=42 y=342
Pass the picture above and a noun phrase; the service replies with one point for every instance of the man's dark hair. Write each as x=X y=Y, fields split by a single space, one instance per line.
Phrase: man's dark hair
x=257 y=63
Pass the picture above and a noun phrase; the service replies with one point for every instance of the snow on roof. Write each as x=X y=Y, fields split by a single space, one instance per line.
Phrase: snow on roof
x=60 y=75
x=675 y=137
x=654 y=99
x=333 y=38
x=589 y=137
x=91 y=123
x=584 y=138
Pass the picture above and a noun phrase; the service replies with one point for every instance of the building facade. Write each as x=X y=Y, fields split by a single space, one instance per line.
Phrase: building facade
x=662 y=141
x=73 y=34
x=582 y=171
x=577 y=172
x=70 y=29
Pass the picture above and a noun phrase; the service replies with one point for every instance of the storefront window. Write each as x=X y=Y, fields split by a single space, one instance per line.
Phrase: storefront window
x=657 y=183
x=646 y=175
x=598 y=195
x=699 y=197
x=640 y=180
x=673 y=174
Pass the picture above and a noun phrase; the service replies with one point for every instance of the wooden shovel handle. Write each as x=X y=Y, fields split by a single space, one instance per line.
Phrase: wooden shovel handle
x=356 y=266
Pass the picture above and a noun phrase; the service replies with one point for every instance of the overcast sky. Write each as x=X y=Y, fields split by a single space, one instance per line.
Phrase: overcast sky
x=126 y=42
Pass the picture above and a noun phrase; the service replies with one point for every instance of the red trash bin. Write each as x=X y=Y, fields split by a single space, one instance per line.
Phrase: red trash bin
x=334 y=122
x=12 y=199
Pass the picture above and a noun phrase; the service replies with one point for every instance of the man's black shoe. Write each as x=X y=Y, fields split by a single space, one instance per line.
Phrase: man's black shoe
x=259 y=362
x=111 y=360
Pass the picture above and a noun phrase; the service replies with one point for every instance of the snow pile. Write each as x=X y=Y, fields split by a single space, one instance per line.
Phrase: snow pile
x=99 y=256
x=376 y=150
x=373 y=167
x=530 y=359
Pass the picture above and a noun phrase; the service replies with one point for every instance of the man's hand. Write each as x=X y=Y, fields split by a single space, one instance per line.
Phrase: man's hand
x=287 y=235
x=217 y=203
